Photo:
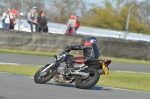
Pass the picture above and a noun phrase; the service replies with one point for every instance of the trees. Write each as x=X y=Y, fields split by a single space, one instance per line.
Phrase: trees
x=144 y=12
x=17 y=4
x=112 y=14
x=114 y=17
x=63 y=8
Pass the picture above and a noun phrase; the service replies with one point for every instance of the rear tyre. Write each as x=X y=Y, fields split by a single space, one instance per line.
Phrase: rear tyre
x=89 y=81
x=49 y=74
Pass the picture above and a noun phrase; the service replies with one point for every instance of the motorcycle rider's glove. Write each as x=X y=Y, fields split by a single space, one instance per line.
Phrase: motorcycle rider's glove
x=67 y=48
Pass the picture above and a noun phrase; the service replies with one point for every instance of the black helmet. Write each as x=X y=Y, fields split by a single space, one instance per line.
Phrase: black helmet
x=91 y=39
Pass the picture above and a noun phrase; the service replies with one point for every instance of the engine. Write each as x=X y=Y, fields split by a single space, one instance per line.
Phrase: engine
x=61 y=68
x=60 y=71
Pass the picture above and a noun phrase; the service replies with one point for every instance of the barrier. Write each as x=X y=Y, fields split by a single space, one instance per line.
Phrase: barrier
x=58 y=28
x=47 y=42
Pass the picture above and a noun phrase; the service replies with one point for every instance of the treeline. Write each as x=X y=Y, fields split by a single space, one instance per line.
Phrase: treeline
x=108 y=14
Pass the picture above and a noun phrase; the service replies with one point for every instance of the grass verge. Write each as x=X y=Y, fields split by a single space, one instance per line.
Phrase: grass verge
x=132 y=81
x=52 y=54
x=38 y=53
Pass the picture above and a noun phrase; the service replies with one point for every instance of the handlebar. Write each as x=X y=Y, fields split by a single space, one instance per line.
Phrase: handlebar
x=67 y=48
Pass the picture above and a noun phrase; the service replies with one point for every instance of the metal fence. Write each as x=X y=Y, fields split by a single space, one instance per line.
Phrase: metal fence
x=83 y=30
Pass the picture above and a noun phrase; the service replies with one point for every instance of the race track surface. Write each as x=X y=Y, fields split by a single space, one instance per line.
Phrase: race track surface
x=41 y=60
x=21 y=87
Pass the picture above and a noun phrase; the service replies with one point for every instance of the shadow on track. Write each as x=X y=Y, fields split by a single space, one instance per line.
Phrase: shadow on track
x=2 y=97
x=72 y=85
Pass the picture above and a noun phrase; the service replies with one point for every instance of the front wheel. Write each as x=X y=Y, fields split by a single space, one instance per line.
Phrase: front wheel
x=89 y=81
x=42 y=78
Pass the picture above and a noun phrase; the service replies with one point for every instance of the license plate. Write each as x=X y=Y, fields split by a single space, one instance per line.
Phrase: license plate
x=105 y=69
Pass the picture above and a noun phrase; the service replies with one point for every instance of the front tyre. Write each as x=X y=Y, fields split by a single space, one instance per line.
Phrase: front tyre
x=89 y=81
x=42 y=78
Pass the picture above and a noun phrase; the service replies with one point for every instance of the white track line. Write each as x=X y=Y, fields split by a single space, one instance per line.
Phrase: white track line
x=131 y=72
x=53 y=81
x=40 y=65
x=9 y=63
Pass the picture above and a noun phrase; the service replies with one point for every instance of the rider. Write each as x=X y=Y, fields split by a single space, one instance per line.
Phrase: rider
x=90 y=51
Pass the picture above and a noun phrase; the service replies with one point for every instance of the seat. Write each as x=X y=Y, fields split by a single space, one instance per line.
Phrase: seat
x=79 y=59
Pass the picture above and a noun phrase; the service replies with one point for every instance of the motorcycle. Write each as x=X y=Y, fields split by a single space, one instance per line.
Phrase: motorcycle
x=86 y=75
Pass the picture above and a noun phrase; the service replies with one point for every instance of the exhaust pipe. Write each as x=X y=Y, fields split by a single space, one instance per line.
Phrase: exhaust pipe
x=80 y=73
x=77 y=72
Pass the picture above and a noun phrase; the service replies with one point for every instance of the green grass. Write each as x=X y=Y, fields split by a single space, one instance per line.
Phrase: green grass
x=52 y=54
x=38 y=53
x=132 y=81
x=128 y=60
x=19 y=69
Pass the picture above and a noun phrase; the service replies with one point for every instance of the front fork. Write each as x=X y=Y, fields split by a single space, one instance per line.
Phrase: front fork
x=43 y=72
x=49 y=66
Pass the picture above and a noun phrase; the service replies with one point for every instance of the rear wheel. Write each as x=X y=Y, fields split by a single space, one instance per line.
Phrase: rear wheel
x=42 y=78
x=89 y=81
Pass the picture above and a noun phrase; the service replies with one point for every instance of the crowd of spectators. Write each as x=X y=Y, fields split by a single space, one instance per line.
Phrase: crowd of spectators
x=37 y=21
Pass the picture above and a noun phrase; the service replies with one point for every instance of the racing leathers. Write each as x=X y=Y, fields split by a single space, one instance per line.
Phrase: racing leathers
x=90 y=51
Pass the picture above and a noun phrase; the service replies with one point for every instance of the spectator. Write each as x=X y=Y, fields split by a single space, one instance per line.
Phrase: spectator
x=71 y=24
x=7 y=16
x=32 y=17
x=42 y=22
x=77 y=22
x=12 y=21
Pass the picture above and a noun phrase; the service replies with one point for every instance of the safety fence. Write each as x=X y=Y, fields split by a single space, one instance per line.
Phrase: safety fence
x=60 y=28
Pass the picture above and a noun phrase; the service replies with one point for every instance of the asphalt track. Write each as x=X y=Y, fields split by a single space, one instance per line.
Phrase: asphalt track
x=41 y=60
x=22 y=87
